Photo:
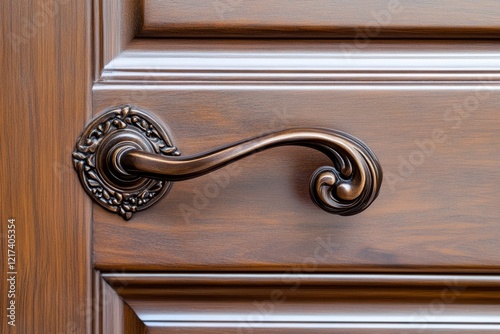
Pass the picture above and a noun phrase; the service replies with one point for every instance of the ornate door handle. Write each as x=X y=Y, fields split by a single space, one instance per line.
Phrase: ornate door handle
x=126 y=162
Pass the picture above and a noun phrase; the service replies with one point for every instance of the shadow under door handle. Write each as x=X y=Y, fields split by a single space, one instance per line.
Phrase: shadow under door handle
x=126 y=162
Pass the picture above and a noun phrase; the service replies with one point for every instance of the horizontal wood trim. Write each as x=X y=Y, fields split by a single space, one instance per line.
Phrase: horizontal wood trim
x=318 y=61
x=322 y=18
x=258 y=279
x=316 y=328
x=338 y=303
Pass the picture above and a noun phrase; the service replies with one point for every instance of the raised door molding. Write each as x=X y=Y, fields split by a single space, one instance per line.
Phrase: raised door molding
x=358 y=20
x=290 y=303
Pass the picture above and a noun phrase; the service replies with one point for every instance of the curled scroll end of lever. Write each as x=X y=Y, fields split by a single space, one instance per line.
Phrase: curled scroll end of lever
x=334 y=193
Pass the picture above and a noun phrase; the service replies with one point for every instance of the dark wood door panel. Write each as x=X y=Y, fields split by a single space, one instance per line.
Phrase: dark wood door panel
x=322 y=18
x=244 y=249
x=438 y=207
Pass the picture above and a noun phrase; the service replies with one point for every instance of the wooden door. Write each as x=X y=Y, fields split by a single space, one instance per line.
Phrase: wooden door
x=45 y=100
x=244 y=249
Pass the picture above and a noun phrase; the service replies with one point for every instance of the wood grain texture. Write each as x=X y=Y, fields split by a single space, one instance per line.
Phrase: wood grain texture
x=360 y=20
x=45 y=101
x=437 y=209
x=430 y=115
x=318 y=303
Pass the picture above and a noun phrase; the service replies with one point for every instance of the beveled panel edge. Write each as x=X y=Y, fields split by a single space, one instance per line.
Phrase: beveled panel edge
x=115 y=23
x=318 y=328
x=321 y=18
x=170 y=61
x=111 y=314
x=264 y=279
x=409 y=302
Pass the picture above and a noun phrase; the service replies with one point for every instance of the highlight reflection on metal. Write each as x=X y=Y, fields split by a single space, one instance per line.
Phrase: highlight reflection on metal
x=127 y=162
